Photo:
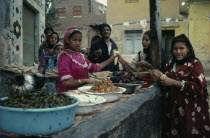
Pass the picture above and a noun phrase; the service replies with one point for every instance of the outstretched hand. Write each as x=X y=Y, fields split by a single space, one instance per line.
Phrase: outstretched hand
x=141 y=63
x=98 y=53
x=156 y=74
x=120 y=59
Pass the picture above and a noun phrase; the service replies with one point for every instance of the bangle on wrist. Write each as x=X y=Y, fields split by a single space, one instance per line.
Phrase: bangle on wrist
x=80 y=82
x=182 y=85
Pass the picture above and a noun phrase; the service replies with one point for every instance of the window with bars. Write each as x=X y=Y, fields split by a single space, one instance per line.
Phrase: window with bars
x=61 y=12
x=131 y=1
x=77 y=11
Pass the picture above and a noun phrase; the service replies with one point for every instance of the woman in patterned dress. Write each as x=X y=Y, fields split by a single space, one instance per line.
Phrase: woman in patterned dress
x=73 y=67
x=47 y=53
x=186 y=111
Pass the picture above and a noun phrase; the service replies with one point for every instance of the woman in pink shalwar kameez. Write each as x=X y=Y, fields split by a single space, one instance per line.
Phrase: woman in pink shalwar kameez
x=73 y=67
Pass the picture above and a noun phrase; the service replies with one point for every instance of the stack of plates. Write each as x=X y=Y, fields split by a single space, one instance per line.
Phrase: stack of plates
x=88 y=103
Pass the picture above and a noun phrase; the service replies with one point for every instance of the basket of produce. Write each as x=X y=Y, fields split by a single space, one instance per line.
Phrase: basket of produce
x=88 y=103
x=37 y=114
x=104 y=88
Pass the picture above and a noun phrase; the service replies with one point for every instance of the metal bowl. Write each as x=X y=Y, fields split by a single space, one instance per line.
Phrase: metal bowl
x=110 y=97
x=37 y=122
x=130 y=87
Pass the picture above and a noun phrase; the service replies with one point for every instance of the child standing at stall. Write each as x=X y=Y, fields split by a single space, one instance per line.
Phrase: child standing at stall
x=51 y=83
x=47 y=53
x=73 y=67
x=53 y=63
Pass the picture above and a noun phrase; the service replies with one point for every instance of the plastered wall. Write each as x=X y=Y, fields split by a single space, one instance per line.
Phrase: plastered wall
x=199 y=32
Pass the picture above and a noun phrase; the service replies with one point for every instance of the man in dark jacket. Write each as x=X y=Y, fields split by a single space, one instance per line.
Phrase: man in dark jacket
x=101 y=50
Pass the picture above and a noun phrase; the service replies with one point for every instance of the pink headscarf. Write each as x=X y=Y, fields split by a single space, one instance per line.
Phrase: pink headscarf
x=69 y=32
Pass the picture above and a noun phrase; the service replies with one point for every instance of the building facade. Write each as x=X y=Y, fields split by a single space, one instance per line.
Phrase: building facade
x=85 y=15
x=199 y=31
x=22 y=24
x=131 y=19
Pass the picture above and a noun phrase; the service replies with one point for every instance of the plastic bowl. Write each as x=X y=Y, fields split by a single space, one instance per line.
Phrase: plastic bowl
x=88 y=103
x=110 y=97
x=148 y=79
x=37 y=122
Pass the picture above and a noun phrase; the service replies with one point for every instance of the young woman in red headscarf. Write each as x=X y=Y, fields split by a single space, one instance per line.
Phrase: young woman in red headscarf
x=186 y=112
x=73 y=67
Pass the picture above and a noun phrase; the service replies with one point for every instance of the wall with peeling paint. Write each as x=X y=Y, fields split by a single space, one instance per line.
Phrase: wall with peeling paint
x=199 y=32
x=11 y=31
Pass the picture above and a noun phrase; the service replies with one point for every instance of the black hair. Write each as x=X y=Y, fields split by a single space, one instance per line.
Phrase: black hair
x=191 y=54
x=51 y=46
x=95 y=38
x=148 y=33
x=101 y=27
x=47 y=29
x=147 y=51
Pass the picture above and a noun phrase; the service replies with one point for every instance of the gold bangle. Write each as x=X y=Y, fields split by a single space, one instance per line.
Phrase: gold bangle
x=162 y=76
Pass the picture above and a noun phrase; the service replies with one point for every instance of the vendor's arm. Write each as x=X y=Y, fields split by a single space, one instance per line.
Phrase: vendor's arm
x=135 y=60
x=163 y=79
x=79 y=82
x=166 y=81
x=108 y=61
x=122 y=61
x=145 y=64
x=94 y=53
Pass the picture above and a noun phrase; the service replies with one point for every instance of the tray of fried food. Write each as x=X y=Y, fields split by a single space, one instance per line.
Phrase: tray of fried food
x=51 y=73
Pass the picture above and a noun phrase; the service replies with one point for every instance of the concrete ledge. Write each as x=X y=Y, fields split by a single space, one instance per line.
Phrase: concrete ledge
x=139 y=116
x=208 y=80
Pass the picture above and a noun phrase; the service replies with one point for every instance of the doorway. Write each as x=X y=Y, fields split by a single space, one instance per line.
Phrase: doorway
x=167 y=37
x=28 y=35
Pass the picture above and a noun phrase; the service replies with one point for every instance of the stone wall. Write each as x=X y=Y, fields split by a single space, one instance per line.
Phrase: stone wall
x=137 y=117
